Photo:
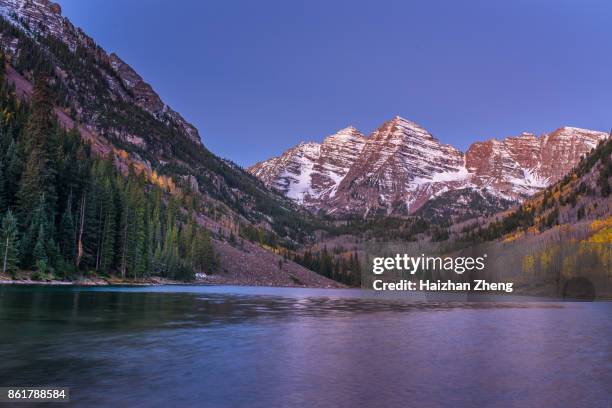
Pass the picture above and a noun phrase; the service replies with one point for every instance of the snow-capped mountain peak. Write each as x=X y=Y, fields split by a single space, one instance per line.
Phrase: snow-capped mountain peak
x=401 y=165
x=311 y=171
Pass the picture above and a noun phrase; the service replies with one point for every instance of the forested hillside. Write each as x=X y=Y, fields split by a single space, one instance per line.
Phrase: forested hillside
x=99 y=176
x=66 y=212
x=92 y=92
x=582 y=195
x=148 y=197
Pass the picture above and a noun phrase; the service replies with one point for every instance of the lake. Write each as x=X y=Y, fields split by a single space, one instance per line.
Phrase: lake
x=217 y=346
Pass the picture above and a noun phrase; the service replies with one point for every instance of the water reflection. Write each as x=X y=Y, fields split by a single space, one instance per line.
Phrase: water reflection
x=267 y=347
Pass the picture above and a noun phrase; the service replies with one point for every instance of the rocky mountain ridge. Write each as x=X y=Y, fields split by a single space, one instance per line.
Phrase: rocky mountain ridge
x=401 y=166
x=312 y=170
x=43 y=17
x=121 y=118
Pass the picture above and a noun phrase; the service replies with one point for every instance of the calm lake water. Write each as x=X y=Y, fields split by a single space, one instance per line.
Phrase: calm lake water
x=182 y=346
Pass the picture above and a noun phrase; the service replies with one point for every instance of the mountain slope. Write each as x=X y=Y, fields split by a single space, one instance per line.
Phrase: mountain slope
x=121 y=116
x=311 y=172
x=518 y=167
x=463 y=204
x=400 y=167
x=42 y=17
x=558 y=242
x=584 y=194
x=111 y=102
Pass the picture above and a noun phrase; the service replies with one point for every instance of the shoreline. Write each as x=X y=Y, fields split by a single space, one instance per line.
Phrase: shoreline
x=88 y=282
x=209 y=282
x=153 y=282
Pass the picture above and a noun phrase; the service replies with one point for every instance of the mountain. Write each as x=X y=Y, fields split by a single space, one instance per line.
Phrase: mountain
x=311 y=172
x=117 y=111
x=463 y=204
x=583 y=195
x=45 y=17
x=401 y=166
x=518 y=167
x=558 y=241
x=123 y=119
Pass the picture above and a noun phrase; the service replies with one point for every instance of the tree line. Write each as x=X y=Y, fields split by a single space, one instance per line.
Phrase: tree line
x=337 y=265
x=65 y=211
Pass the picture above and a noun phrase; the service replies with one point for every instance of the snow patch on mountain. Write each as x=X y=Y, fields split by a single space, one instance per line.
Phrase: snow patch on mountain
x=401 y=166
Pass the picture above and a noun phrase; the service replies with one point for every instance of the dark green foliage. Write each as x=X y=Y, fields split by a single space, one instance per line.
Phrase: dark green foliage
x=439 y=234
x=39 y=141
x=12 y=173
x=203 y=254
x=450 y=207
x=66 y=233
x=9 y=243
x=388 y=228
x=84 y=88
x=76 y=213
x=40 y=251
x=3 y=204
x=259 y=235
x=339 y=266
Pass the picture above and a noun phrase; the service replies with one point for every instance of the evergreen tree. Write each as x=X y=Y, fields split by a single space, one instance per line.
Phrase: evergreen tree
x=67 y=233
x=203 y=254
x=3 y=198
x=40 y=251
x=39 y=172
x=9 y=243
x=92 y=224
x=109 y=231
x=12 y=172
x=67 y=210
x=38 y=219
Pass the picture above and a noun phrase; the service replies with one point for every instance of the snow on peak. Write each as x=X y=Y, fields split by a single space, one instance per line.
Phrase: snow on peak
x=398 y=120
x=581 y=130
x=312 y=149
x=348 y=134
x=401 y=162
x=460 y=174
x=349 y=129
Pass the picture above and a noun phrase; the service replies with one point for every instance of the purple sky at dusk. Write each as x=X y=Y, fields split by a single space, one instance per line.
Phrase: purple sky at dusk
x=257 y=77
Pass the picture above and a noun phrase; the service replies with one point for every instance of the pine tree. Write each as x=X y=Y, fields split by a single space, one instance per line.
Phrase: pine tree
x=124 y=227
x=92 y=224
x=12 y=172
x=67 y=233
x=154 y=232
x=40 y=169
x=109 y=231
x=170 y=256
x=3 y=198
x=39 y=218
x=70 y=210
x=139 y=240
x=40 y=252
x=80 y=229
x=9 y=243
x=203 y=253
x=53 y=252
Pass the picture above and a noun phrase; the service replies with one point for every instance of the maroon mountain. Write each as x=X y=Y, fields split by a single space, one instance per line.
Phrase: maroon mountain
x=401 y=166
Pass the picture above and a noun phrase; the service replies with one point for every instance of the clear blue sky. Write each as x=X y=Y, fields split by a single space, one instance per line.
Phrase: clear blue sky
x=256 y=77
